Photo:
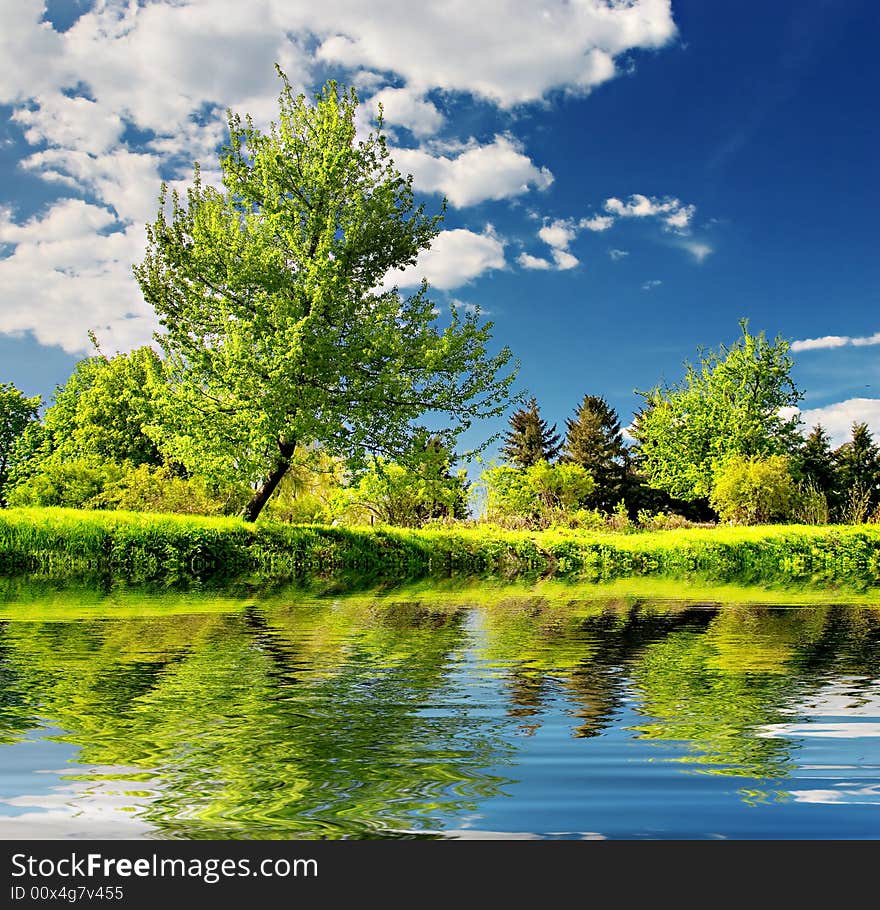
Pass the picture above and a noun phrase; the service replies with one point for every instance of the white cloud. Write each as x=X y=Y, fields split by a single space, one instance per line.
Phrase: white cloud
x=498 y=170
x=84 y=279
x=528 y=261
x=404 y=107
x=834 y=341
x=838 y=418
x=617 y=255
x=674 y=214
x=596 y=223
x=558 y=234
x=564 y=260
x=469 y=307
x=508 y=51
x=697 y=248
x=455 y=258
x=650 y=285
x=165 y=71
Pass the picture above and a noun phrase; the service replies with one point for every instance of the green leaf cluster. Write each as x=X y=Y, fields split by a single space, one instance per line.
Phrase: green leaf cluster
x=739 y=400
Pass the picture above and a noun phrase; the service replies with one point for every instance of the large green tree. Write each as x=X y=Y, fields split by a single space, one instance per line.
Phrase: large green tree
x=529 y=439
x=97 y=421
x=594 y=440
x=17 y=413
x=280 y=331
x=732 y=403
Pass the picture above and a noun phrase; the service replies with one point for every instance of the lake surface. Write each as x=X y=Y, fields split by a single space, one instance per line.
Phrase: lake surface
x=385 y=717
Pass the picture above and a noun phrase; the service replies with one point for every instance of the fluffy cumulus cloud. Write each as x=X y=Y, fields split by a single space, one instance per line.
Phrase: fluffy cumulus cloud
x=507 y=51
x=133 y=92
x=596 y=223
x=404 y=107
x=674 y=214
x=70 y=272
x=498 y=170
x=835 y=341
x=617 y=255
x=454 y=258
x=536 y=263
x=838 y=418
x=558 y=235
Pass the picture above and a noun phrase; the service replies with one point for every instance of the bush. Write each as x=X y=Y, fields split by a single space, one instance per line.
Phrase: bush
x=149 y=489
x=73 y=483
x=754 y=490
x=536 y=496
x=663 y=521
x=93 y=483
x=812 y=505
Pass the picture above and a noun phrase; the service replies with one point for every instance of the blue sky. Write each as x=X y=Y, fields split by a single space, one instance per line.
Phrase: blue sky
x=626 y=181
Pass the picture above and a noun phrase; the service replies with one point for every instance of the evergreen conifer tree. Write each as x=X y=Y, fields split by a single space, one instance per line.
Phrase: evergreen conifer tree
x=594 y=440
x=858 y=464
x=529 y=439
x=817 y=466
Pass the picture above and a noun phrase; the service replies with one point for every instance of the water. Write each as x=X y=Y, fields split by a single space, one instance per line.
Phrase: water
x=364 y=717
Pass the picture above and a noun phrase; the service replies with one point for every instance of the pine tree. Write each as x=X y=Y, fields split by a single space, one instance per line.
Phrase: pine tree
x=817 y=465
x=858 y=465
x=594 y=440
x=529 y=440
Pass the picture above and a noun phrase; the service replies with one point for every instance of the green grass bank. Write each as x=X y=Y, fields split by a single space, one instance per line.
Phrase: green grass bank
x=173 y=550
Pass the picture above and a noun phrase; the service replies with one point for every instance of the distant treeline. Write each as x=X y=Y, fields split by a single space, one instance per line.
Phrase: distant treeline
x=725 y=443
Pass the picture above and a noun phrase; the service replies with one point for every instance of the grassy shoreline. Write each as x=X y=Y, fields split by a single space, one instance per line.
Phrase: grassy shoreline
x=179 y=551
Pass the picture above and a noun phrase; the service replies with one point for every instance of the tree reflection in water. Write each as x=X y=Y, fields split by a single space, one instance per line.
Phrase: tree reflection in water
x=360 y=717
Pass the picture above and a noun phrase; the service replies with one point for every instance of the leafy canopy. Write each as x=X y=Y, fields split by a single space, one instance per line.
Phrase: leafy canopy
x=278 y=330
x=732 y=403
x=17 y=413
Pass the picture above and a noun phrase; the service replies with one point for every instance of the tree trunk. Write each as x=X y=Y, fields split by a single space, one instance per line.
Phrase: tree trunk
x=261 y=497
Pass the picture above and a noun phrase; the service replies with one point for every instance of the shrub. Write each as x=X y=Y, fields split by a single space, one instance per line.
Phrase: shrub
x=856 y=505
x=73 y=482
x=90 y=482
x=753 y=490
x=811 y=507
x=149 y=489
x=537 y=495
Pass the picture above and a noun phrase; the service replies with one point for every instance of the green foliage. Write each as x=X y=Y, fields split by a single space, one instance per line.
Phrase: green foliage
x=536 y=495
x=754 y=490
x=77 y=482
x=811 y=506
x=858 y=467
x=89 y=482
x=278 y=334
x=816 y=465
x=17 y=414
x=311 y=492
x=94 y=428
x=594 y=440
x=149 y=489
x=183 y=550
x=529 y=439
x=103 y=410
x=409 y=495
x=732 y=403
